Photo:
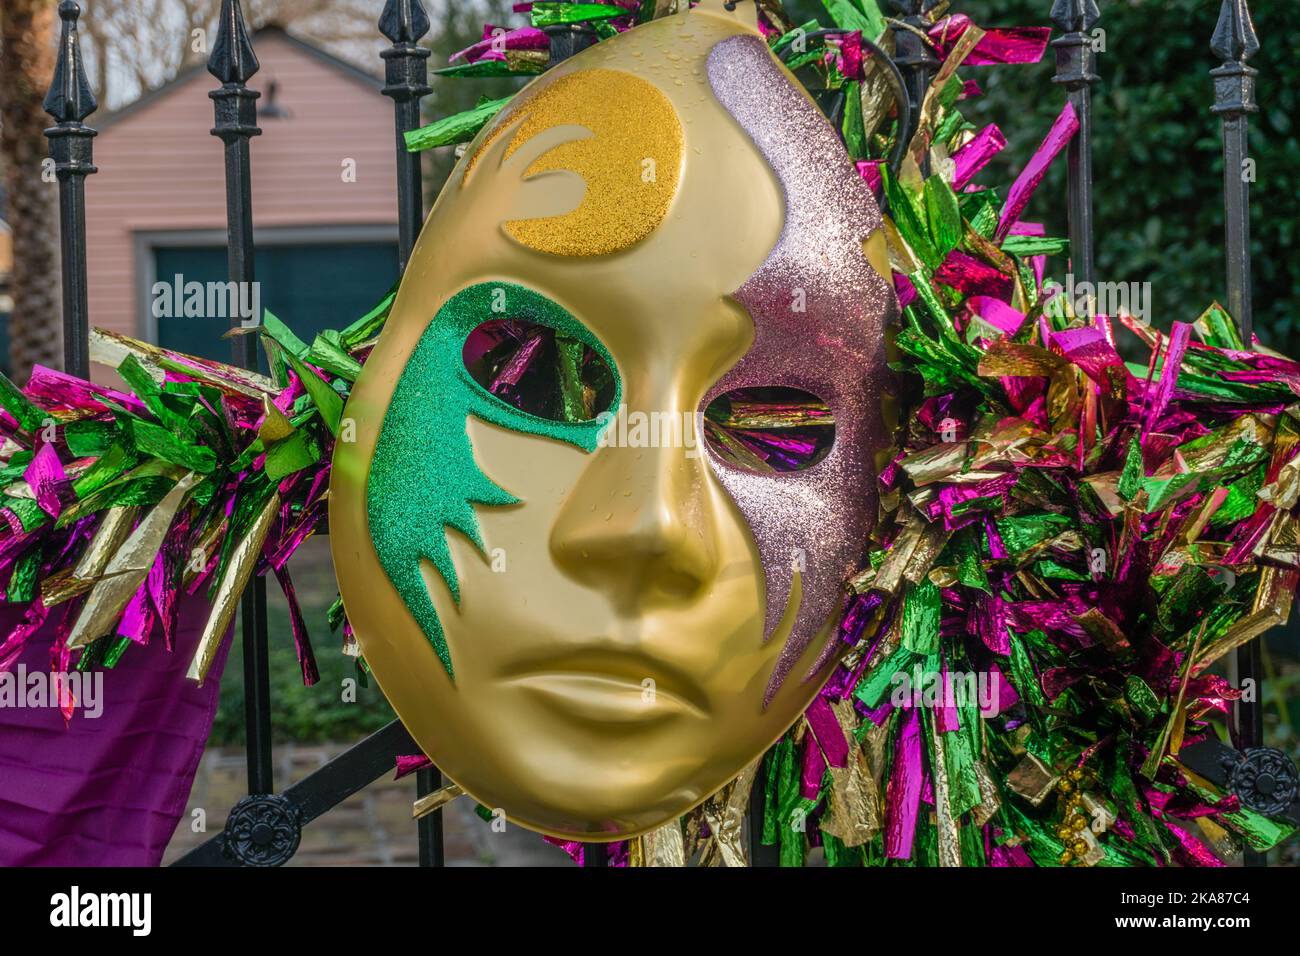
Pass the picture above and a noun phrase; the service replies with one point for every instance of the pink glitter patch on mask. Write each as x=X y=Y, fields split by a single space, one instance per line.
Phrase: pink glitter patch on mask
x=820 y=311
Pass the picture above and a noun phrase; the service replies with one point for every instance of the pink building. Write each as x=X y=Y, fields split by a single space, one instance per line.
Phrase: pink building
x=324 y=199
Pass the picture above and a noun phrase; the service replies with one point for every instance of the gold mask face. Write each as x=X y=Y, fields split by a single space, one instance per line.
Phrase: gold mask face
x=593 y=637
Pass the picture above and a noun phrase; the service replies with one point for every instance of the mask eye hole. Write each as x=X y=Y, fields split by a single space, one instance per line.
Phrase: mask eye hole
x=537 y=370
x=770 y=430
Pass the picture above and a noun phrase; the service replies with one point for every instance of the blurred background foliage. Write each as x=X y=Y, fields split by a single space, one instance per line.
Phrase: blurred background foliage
x=1157 y=163
x=342 y=705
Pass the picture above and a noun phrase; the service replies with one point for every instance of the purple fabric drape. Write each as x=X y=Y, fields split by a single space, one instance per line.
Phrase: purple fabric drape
x=107 y=791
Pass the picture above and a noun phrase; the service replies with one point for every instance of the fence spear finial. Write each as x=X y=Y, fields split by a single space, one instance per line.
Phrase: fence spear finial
x=1235 y=42
x=1234 y=35
x=232 y=59
x=70 y=99
x=406 y=80
x=1075 y=16
x=69 y=102
x=403 y=21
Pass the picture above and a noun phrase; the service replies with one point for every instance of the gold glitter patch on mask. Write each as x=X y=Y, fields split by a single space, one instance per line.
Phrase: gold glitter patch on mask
x=631 y=162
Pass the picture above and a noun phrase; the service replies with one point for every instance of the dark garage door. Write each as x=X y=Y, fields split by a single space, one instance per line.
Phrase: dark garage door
x=309 y=287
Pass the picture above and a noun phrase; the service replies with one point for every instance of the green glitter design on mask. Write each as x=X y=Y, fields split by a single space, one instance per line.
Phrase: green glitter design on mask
x=423 y=477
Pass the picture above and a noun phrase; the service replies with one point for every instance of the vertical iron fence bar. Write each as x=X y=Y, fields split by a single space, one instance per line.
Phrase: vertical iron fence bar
x=1075 y=60
x=914 y=59
x=404 y=22
x=1234 y=100
x=760 y=854
x=69 y=102
x=257 y=687
x=235 y=107
x=429 y=827
x=1235 y=42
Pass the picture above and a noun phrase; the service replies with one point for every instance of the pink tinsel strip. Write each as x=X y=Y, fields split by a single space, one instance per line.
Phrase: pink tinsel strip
x=972 y=276
x=830 y=737
x=952 y=496
x=494 y=43
x=137 y=619
x=162 y=594
x=998 y=46
x=519 y=363
x=61 y=664
x=408 y=764
x=904 y=289
x=903 y=795
x=55 y=390
x=1003 y=693
x=13 y=645
x=976 y=154
x=946 y=718
x=869 y=170
x=1249 y=533
x=301 y=641
x=814 y=768
x=851 y=55
x=1198 y=852
x=1066 y=125
x=988 y=619
x=997 y=314
x=1173 y=363
x=997 y=550
x=1009 y=856
x=615 y=853
x=1092 y=351
x=48 y=482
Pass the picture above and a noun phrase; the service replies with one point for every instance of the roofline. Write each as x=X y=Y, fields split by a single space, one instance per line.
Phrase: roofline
x=369 y=81
x=357 y=75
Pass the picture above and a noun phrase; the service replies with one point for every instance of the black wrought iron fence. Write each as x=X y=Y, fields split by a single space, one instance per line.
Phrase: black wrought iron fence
x=263 y=828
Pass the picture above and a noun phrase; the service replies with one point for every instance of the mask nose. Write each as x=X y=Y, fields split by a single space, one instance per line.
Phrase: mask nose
x=639 y=524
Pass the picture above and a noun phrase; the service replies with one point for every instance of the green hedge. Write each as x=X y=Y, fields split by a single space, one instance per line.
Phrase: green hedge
x=298 y=713
x=1158 y=167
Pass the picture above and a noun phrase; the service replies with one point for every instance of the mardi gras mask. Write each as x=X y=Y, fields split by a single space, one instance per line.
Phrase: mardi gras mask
x=588 y=613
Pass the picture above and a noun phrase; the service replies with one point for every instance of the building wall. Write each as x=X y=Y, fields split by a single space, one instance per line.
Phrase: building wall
x=161 y=173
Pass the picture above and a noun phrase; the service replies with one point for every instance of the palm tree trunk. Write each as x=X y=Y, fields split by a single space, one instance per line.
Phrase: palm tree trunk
x=27 y=52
